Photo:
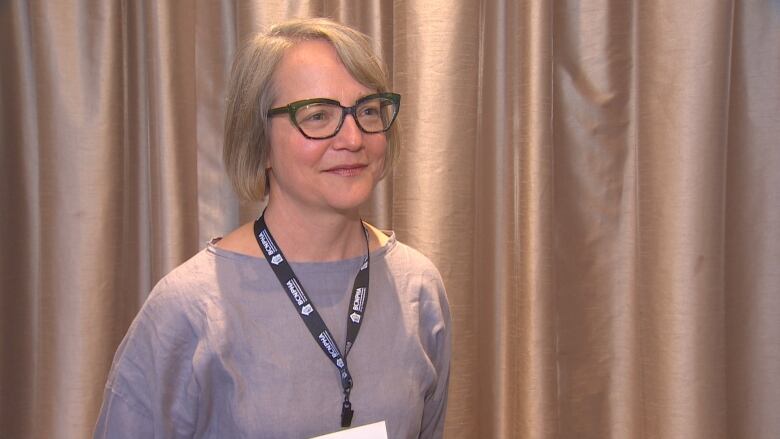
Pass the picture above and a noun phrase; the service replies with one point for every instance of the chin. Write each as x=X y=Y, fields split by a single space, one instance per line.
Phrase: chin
x=351 y=202
x=347 y=206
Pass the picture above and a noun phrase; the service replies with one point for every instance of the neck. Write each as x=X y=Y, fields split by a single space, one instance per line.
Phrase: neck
x=321 y=237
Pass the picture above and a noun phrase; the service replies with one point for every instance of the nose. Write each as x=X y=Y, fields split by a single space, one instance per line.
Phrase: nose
x=349 y=136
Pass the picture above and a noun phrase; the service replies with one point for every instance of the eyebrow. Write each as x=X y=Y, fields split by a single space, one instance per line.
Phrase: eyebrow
x=328 y=98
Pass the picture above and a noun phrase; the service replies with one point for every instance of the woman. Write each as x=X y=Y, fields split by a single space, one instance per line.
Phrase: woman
x=257 y=335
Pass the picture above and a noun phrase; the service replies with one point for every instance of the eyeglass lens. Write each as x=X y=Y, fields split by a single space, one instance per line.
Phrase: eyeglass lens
x=324 y=119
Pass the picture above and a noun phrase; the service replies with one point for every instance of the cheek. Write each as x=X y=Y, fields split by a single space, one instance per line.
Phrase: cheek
x=294 y=153
x=378 y=147
x=381 y=155
x=282 y=145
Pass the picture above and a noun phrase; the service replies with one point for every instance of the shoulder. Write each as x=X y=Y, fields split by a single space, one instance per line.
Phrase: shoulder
x=419 y=284
x=194 y=271
x=152 y=370
x=404 y=258
x=416 y=277
x=183 y=288
x=242 y=241
x=163 y=336
x=172 y=317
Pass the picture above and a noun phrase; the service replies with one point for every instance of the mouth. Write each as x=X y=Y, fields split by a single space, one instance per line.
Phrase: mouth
x=347 y=170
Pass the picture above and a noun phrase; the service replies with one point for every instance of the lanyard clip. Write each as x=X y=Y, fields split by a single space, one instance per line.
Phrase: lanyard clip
x=346 y=382
x=346 y=413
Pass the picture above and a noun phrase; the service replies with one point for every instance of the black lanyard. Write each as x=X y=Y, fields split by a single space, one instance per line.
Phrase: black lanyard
x=317 y=328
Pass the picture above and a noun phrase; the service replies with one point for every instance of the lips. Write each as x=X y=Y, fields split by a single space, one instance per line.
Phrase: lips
x=347 y=170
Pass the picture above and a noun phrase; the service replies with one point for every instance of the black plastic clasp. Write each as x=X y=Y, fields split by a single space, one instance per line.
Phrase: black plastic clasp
x=346 y=414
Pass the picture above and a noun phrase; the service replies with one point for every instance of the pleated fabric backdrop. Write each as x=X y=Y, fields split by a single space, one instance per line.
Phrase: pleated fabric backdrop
x=597 y=180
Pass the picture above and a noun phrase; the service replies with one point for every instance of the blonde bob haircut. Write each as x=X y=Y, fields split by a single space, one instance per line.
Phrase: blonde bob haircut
x=251 y=93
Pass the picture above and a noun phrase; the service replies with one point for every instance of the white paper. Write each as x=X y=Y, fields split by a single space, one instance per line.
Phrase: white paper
x=377 y=430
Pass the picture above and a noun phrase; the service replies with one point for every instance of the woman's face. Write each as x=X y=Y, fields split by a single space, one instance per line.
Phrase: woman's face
x=335 y=174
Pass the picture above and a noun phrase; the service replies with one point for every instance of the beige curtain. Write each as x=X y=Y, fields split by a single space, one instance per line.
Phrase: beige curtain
x=597 y=180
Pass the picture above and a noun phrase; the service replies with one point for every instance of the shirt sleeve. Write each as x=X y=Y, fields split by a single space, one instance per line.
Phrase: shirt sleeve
x=151 y=390
x=119 y=419
x=437 y=314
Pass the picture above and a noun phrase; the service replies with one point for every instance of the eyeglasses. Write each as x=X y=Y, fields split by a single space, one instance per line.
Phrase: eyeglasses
x=322 y=118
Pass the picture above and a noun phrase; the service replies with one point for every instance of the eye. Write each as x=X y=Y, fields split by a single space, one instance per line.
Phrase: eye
x=369 y=110
x=315 y=114
x=318 y=116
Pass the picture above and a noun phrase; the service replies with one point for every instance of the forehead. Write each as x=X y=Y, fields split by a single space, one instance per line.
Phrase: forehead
x=313 y=69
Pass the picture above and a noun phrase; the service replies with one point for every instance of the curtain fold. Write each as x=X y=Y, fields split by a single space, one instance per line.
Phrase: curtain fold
x=752 y=223
x=596 y=180
x=513 y=246
x=595 y=220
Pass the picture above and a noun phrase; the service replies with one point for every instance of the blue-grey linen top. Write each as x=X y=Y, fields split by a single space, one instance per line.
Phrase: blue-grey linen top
x=219 y=351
